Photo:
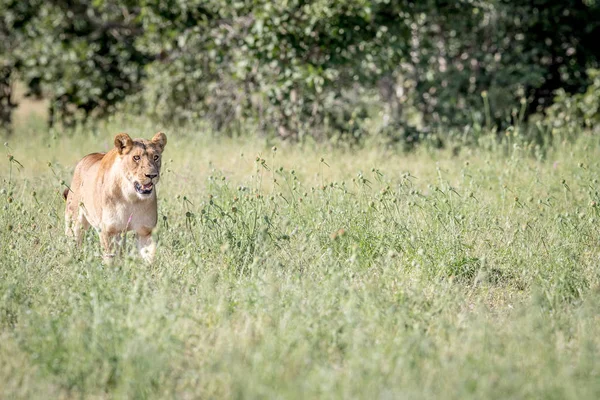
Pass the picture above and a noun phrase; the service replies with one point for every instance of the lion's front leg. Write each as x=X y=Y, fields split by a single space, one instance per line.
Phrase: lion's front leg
x=146 y=244
x=107 y=240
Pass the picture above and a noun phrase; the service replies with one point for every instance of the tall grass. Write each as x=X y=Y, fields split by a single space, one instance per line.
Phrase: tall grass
x=306 y=271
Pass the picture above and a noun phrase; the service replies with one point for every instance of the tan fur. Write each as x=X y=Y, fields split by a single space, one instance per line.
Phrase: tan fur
x=115 y=192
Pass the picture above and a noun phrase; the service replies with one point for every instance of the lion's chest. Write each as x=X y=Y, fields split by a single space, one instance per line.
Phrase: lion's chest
x=127 y=216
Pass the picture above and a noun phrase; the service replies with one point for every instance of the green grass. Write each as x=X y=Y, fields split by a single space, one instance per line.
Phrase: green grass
x=316 y=273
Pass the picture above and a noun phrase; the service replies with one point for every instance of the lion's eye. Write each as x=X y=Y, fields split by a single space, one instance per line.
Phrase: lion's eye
x=156 y=157
x=136 y=158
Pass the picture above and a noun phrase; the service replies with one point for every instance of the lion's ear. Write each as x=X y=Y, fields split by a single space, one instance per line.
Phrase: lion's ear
x=123 y=143
x=160 y=139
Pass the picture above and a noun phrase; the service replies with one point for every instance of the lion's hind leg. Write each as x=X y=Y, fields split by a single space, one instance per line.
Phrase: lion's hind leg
x=81 y=226
x=76 y=224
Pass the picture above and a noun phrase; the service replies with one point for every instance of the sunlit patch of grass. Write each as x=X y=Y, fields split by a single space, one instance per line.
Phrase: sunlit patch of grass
x=300 y=271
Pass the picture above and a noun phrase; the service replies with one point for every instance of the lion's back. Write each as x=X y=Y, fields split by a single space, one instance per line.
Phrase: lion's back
x=89 y=162
x=86 y=171
x=83 y=183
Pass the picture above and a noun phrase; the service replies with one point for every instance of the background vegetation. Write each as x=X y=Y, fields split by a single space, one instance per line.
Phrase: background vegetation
x=396 y=69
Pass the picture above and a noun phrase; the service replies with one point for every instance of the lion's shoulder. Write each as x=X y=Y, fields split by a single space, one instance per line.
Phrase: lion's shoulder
x=90 y=160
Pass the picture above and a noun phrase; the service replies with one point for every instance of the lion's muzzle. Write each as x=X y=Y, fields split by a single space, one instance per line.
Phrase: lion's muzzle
x=143 y=189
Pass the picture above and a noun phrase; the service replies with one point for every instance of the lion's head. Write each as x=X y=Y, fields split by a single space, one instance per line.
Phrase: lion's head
x=140 y=161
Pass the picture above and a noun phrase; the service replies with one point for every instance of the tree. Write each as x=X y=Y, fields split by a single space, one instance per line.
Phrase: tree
x=510 y=50
x=83 y=55
x=284 y=64
x=301 y=67
x=13 y=20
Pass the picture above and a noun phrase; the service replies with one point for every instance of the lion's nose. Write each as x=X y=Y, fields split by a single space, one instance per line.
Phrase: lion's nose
x=151 y=176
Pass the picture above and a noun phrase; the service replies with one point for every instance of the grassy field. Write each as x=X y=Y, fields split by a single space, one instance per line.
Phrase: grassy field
x=308 y=272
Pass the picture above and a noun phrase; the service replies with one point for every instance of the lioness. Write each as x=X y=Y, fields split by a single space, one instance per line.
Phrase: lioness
x=114 y=192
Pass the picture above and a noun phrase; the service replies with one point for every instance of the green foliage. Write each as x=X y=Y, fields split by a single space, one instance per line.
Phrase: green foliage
x=14 y=15
x=81 y=54
x=284 y=65
x=508 y=49
x=345 y=70
x=570 y=115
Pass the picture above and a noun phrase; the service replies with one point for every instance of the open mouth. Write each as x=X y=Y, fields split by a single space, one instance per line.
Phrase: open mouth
x=143 y=189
